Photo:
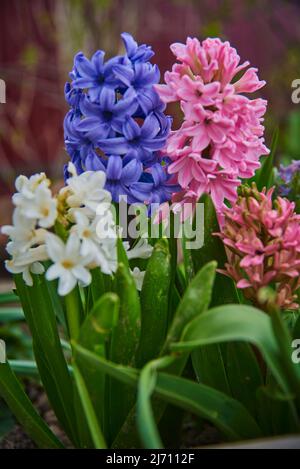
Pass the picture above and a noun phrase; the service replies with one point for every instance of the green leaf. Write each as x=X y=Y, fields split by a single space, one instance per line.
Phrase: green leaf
x=94 y=335
x=97 y=286
x=284 y=340
x=126 y=332
x=22 y=408
x=11 y=314
x=265 y=176
x=145 y=417
x=124 y=343
x=154 y=303
x=195 y=300
x=50 y=360
x=122 y=256
x=276 y=413
x=210 y=369
x=236 y=323
x=296 y=330
x=224 y=290
x=91 y=417
x=7 y=422
x=244 y=374
x=224 y=412
x=9 y=297
x=25 y=368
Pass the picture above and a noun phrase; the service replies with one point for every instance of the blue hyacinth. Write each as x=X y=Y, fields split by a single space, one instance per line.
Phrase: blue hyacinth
x=116 y=123
x=288 y=182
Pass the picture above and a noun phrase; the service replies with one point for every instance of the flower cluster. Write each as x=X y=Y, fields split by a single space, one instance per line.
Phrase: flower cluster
x=263 y=241
x=289 y=182
x=82 y=214
x=117 y=124
x=221 y=138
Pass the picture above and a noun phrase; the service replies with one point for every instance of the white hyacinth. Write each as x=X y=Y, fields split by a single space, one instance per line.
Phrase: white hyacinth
x=85 y=210
x=26 y=263
x=102 y=248
x=69 y=264
x=138 y=276
x=87 y=189
x=35 y=201
x=141 y=250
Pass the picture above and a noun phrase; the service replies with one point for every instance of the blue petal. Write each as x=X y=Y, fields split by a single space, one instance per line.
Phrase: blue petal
x=150 y=127
x=131 y=129
x=107 y=98
x=97 y=61
x=129 y=43
x=83 y=66
x=124 y=73
x=117 y=146
x=132 y=172
x=114 y=167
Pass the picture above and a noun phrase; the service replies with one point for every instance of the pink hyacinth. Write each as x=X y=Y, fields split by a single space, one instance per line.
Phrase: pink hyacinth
x=221 y=138
x=263 y=246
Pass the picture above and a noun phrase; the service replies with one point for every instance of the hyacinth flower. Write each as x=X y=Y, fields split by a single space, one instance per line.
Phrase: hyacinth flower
x=117 y=123
x=90 y=235
x=221 y=138
x=289 y=182
x=262 y=238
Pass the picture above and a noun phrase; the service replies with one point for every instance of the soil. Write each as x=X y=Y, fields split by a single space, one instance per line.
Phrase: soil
x=17 y=438
x=193 y=433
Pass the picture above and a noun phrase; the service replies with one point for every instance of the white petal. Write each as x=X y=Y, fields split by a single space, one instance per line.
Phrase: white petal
x=54 y=271
x=37 y=268
x=55 y=247
x=66 y=283
x=82 y=274
x=73 y=245
x=138 y=276
x=27 y=277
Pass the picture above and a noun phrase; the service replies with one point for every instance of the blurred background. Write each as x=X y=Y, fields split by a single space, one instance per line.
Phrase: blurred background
x=38 y=39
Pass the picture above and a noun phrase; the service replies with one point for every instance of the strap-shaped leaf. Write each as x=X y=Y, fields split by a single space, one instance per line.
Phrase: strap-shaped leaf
x=91 y=417
x=94 y=335
x=225 y=413
x=145 y=417
x=12 y=392
x=8 y=297
x=231 y=323
x=154 y=303
x=195 y=300
x=265 y=175
x=124 y=343
x=11 y=314
x=49 y=356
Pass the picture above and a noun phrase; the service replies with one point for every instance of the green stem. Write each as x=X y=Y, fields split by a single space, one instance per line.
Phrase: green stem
x=73 y=314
